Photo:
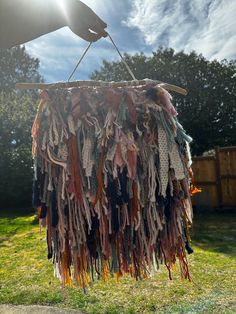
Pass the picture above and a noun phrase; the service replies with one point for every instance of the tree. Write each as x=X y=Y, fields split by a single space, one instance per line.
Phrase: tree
x=17 y=111
x=16 y=65
x=208 y=112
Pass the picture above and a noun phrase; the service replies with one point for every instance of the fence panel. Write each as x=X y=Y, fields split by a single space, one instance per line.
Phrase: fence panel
x=227 y=160
x=216 y=175
x=205 y=174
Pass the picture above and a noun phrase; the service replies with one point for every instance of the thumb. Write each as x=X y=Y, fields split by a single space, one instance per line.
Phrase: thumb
x=86 y=34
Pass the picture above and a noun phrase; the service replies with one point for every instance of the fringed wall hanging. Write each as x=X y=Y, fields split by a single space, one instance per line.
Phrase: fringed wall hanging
x=112 y=179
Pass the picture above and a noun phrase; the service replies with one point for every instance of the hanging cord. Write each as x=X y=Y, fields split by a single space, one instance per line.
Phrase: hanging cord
x=122 y=58
x=78 y=63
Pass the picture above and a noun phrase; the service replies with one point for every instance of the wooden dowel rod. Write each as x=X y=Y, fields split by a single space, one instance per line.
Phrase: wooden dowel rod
x=92 y=83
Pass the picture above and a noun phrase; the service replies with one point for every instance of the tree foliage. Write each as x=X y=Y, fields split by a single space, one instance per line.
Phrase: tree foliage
x=17 y=111
x=208 y=112
x=16 y=65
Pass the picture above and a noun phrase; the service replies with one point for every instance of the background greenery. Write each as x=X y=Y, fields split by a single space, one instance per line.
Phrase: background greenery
x=17 y=111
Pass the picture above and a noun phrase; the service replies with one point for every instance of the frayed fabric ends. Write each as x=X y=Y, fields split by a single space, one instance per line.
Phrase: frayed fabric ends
x=112 y=182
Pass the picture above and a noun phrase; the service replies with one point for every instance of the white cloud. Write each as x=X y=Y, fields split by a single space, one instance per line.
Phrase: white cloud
x=205 y=26
x=217 y=38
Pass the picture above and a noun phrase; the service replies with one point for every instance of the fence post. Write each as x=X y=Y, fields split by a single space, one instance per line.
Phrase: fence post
x=218 y=176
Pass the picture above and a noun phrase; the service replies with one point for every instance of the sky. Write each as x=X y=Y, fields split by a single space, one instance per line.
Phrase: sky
x=206 y=26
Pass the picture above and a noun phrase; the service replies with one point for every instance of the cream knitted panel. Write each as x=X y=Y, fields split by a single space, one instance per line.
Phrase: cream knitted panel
x=176 y=162
x=164 y=159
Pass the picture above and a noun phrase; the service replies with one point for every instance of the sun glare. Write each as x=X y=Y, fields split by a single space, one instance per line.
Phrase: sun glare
x=61 y=4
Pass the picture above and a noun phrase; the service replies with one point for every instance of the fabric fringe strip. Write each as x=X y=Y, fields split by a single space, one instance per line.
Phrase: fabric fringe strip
x=112 y=182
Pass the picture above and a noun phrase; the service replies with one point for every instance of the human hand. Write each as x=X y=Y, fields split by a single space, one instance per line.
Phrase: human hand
x=84 y=22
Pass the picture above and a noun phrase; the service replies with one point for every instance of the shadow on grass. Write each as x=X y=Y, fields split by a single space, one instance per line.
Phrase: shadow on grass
x=16 y=212
x=215 y=231
x=13 y=221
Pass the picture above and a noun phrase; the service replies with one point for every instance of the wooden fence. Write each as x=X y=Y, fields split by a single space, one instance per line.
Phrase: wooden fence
x=216 y=175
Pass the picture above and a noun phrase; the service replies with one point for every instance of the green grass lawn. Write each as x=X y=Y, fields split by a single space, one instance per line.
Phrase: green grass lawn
x=26 y=276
